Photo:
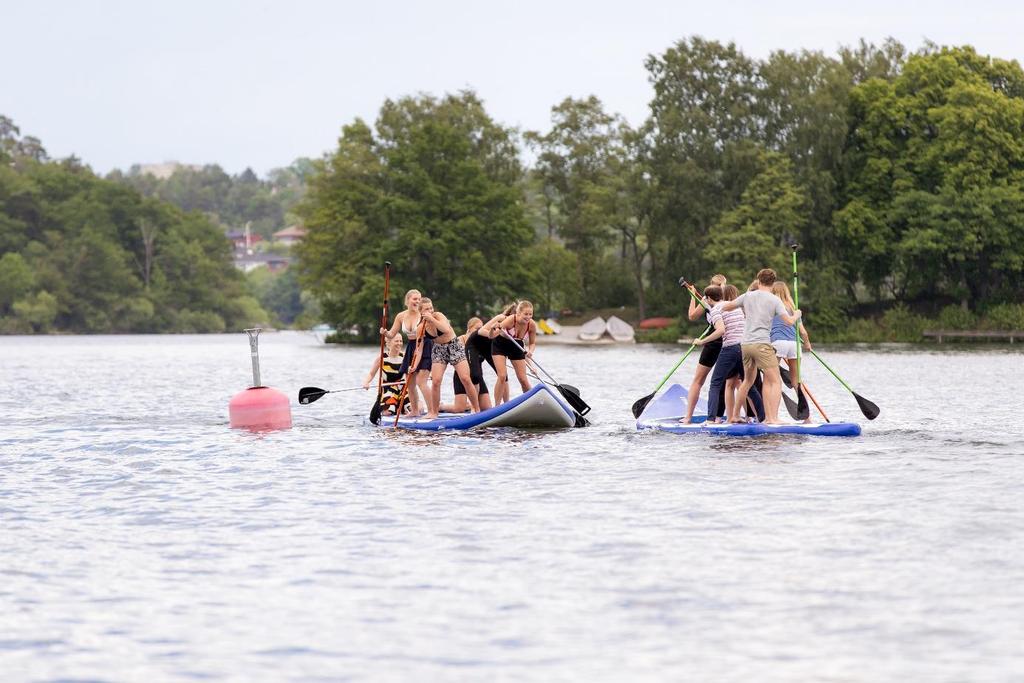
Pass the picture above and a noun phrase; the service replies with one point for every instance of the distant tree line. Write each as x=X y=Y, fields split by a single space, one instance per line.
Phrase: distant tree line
x=901 y=174
x=229 y=200
x=79 y=253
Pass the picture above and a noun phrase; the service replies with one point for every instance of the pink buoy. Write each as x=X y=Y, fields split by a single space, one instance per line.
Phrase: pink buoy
x=259 y=408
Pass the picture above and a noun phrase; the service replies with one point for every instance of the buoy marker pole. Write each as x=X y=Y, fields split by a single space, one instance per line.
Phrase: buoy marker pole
x=254 y=349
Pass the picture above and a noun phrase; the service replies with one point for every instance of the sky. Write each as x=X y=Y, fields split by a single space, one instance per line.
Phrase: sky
x=257 y=84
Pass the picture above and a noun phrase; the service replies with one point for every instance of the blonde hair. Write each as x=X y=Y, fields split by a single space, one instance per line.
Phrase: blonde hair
x=753 y=285
x=471 y=322
x=426 y=300
x=781 y=290
x=410 y=293
x=718 y=280
x=510 y=309
x=523 y=305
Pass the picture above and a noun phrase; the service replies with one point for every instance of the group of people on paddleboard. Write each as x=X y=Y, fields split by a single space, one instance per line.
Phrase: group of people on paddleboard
x=431 y=345
x=749 y=334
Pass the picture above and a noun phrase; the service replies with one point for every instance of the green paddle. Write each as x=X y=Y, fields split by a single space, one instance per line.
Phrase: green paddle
x=803 y=410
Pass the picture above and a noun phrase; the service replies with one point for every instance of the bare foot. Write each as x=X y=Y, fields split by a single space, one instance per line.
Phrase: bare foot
x=685 y=420
x=428 y=416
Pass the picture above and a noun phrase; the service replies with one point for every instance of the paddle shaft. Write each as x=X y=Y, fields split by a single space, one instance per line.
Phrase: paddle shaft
x=796 y=325
x=814 y=400
x=833 y=372
x=383 y=327
x=682 y=360
x=413 y=369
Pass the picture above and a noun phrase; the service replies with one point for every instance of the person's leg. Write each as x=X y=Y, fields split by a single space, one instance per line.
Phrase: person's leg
x=731 y=385
x=420 y=386
x=691 y=399
x=717 y=385
x=772 y=393
x=520 y=367
x=459 y=405
x=485 y=397
x=436 y=377
x=749 y=374
x=462 y=370
x=501 y=384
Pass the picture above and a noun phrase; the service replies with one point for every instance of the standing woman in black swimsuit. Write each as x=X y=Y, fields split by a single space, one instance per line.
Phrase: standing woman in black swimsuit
x=521 y=327
x=448 y=350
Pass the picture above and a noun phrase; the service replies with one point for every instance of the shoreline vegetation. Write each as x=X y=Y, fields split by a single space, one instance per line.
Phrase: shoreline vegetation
x=901 y=173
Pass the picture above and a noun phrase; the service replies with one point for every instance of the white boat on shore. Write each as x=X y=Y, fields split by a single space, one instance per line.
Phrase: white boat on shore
x=322 y=331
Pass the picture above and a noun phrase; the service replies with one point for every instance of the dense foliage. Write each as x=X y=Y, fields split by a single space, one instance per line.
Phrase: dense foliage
x=433 y=189
x=901 y=175
x=82 y=254
x=231 y=201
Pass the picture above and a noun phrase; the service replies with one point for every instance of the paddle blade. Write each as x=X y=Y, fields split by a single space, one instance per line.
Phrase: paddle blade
x=787 y=379
x=791 y=406
x=803 y=410
x=640 y=404
x=572 y=397
x=309 y=394
x=375 y=411
x=869 y=409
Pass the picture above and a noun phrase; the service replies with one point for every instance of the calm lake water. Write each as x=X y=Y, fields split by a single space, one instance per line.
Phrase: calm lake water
x=141 y=539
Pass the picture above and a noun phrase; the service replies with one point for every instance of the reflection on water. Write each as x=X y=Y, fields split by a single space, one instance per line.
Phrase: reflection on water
x=143 y=539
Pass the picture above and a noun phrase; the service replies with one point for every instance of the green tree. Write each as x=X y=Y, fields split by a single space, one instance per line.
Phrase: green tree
x=936 y=179
x=435 y=191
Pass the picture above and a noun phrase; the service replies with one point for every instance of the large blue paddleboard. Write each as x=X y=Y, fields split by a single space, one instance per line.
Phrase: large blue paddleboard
x=542 y=406
x=664 y=413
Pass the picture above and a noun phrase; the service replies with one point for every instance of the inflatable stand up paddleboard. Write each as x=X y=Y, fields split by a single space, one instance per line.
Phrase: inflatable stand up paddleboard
x=664 y=413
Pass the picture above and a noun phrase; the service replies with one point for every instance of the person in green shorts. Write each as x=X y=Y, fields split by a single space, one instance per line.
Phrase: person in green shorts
x=760 y=306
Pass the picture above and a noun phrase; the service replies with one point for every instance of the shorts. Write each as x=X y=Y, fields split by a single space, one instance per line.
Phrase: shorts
x=503 y=346
x=784 y=348
x=760 y=356
x=481 y=385
x=709 y=353
x=451 y=353
x=410 y=351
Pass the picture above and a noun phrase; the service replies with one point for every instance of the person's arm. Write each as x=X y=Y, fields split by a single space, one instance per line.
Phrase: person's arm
x=532 y=340
x=389 y=334
x=695 y=310
x=441 y=324
x=806 y=337
x=717 y=334
x=488 y=327
x=786 y=317
x=734 y=304
x=373 y=372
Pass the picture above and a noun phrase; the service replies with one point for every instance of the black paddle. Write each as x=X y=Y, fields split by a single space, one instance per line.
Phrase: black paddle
x=376 y=409
x=570 y=393
x=309 y=395
x=869 y=409
x=799 y=409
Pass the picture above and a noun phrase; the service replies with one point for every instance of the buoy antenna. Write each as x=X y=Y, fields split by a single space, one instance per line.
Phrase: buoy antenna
x=254 y=350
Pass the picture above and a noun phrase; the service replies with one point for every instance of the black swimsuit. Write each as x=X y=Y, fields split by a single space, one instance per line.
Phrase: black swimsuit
x=503 y=346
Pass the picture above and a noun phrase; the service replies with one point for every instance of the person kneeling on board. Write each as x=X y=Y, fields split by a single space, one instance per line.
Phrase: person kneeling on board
x=461 y=401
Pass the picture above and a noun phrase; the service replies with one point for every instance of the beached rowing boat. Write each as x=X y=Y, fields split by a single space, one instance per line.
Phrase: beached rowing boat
x=664 y=413
x=541 y=407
